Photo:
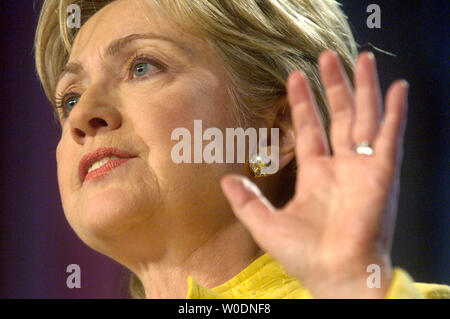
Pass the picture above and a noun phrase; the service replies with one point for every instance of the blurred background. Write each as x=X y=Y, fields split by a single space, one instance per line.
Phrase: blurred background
x=37 y=244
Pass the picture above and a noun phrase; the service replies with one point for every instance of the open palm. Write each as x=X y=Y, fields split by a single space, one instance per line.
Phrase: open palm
x=342 y=216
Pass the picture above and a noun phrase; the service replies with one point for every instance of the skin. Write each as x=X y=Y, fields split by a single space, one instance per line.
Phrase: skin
x=342 y=216
x=168 y=221
x=160 y=219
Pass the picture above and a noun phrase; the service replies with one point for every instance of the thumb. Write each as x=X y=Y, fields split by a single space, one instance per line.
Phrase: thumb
x=248 y=203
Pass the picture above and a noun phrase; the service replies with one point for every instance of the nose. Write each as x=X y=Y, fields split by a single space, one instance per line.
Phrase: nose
x=94 y=114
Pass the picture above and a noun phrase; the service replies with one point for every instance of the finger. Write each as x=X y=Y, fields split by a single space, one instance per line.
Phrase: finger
x=367 y=99
x=340 y=100
x=388 y=226
x=310 y=134
x=247 y=202
x=393 y=125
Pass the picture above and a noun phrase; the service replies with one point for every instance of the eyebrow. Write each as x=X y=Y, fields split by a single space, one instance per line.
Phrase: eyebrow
x=116 y=46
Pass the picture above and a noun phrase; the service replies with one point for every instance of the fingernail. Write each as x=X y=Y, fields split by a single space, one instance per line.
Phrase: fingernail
x=301 y=73
x=334 y=53
x=233 y=189
x=405 y=84
x=370 y=55
x=250 y=186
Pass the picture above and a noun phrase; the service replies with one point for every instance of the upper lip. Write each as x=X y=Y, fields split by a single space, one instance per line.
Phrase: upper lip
x=90 y=158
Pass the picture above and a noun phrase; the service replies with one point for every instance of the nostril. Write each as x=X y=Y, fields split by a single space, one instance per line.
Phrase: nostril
x=79 y=132
x=97 y=122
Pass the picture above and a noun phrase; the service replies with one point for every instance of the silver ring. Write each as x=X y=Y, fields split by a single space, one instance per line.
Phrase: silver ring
x=364 y=148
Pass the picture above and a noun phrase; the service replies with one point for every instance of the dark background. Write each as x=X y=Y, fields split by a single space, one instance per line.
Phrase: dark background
x=37 y=244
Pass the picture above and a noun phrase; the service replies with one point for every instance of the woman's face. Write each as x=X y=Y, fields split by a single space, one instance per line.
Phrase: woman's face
x=132 y=78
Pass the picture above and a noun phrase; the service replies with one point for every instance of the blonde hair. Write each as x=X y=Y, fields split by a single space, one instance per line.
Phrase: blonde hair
x=259 y=41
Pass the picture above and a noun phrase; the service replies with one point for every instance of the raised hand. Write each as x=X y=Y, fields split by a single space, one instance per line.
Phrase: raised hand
x=342 y=216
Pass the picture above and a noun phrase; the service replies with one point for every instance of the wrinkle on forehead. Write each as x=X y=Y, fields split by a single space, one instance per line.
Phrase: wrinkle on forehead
x=123 y=17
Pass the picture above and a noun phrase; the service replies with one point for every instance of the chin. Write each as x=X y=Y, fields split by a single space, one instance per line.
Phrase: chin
x=110 y=213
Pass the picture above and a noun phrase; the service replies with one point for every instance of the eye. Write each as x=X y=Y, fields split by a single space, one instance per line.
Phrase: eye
x=141 y=69
x=66 y=103
x=71 y=102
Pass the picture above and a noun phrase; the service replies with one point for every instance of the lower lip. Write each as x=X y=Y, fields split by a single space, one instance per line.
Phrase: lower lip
x=105 y=169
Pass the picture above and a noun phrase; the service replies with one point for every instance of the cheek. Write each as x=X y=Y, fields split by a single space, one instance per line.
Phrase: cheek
x=158 y=115
x=61 y=162
x=65 y=170
x=178 y=105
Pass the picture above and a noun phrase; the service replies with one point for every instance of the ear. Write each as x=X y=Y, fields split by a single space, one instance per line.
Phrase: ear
x=281 y=119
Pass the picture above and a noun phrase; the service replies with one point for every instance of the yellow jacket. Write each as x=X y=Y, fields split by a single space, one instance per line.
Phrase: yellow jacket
x=265 y=278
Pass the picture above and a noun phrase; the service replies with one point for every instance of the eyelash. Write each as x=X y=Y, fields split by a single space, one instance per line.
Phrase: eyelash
x=61 y=99
x=142 y=58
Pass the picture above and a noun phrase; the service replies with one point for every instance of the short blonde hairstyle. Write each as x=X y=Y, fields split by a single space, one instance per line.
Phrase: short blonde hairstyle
x=259 y=41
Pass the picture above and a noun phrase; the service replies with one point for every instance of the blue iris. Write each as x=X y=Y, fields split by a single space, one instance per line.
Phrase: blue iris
x=141 y=69
x=71 y=102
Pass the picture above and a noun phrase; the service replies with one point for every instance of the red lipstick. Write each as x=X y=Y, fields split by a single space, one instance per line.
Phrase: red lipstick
x=102 y=152
x=112 y=164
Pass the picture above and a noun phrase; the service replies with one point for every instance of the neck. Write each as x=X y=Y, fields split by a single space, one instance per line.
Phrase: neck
x=212 y=262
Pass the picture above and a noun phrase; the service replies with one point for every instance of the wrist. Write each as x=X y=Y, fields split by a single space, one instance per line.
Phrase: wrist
x=365 y=281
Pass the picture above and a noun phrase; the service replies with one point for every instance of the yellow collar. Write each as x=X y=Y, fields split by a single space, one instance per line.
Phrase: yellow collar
x=264 y=278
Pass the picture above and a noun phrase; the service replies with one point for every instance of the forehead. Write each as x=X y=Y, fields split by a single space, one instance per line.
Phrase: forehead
x=121 y=18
